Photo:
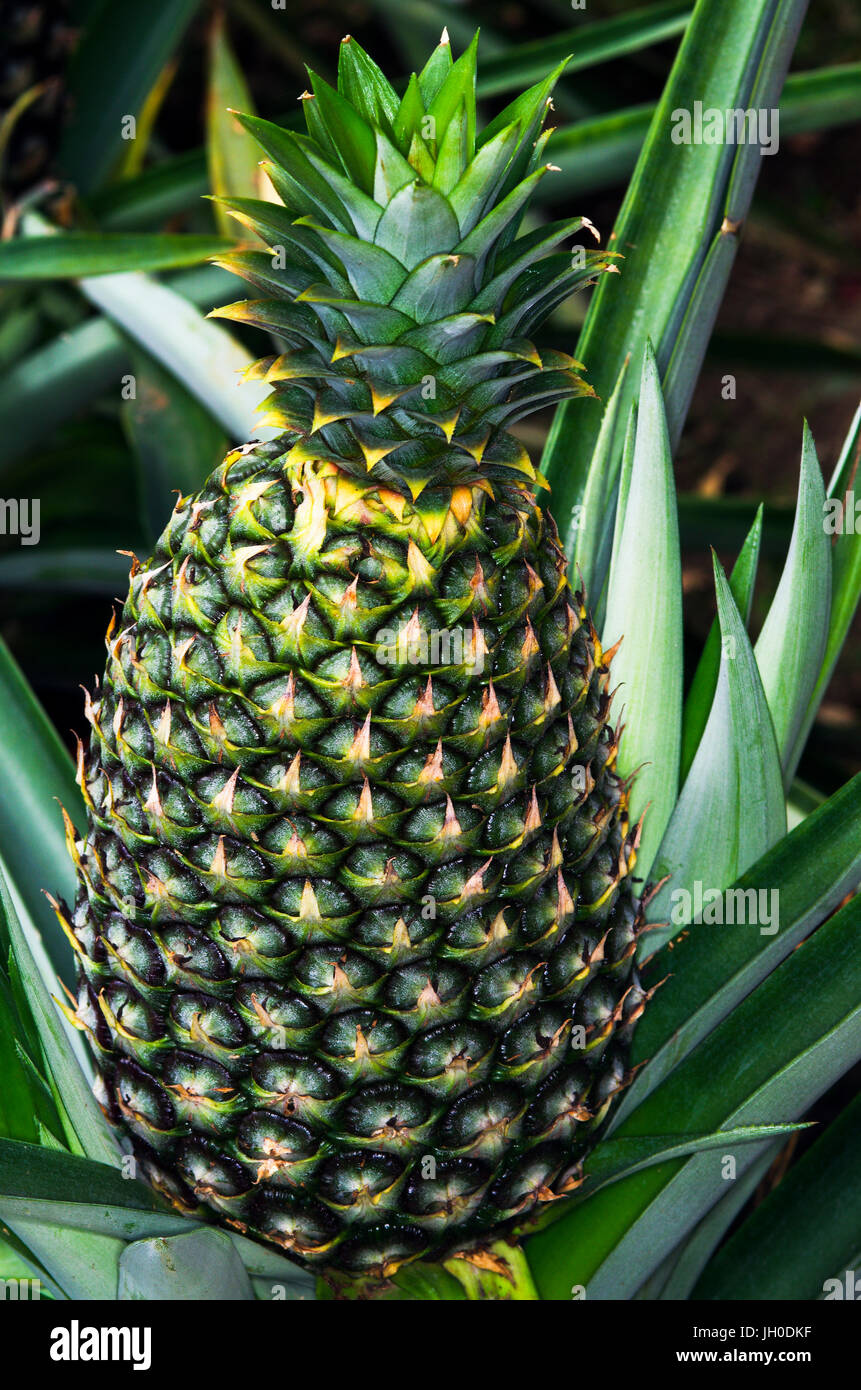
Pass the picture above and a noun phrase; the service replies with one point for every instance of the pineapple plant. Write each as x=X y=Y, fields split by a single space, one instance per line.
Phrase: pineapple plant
x=355 y=928
x=378 y=875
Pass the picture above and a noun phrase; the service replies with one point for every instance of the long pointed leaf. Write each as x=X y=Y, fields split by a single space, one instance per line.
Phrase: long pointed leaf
x=767 y=1063
x=791 y=646
x=700 y=696
x=644 y=608
x=102 y=253
x=682 y=196
x=36 y=773
x=843 y=525
x=234 y=156
x=594 y=527
x=806 y=1233
x=714 y=967
x=84 y=1125
x=731 y=808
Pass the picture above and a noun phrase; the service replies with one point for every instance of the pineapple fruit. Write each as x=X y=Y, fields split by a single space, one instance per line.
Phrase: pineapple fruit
x=355 y=927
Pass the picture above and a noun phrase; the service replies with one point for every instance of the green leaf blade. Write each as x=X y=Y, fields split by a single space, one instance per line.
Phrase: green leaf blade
x=701 y=694
x=791 y=646
x=645 y=579
x=77 y=254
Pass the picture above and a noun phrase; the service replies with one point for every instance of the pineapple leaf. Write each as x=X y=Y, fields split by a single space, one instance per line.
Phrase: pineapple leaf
x=417 y=223
x=844 y=495
x=303 y=188
x=614 y=1159
x=645 y=577
x=409 y=116
x=700 y=696
x=791 y=645
x=600 y=151
x=435 y=71
x=17 y=1262
x=203 y=356
x=766 y=1063
x=77 y=254
x=372 y=272
x=36 y=773
x=44 y=1184
x=446 y=340
x=351 y=136
x=731 y=808
x=812 y=869
x=442 y=285
x=600 y=41
x=361 y=81
x=391 y=171
x=680 y=1271
x=627 y=463
x=84 y=1126
x=21 y=1091
x=232 y=153
x=453 y=154
x=83 y=1265
x=805 y=1233
x=592 y=527
x=197 y=1266
x=264 y=1262
x=678 y=202
x=487 y=235
x=527 y=111
x=525 y=253
x=454 y=105
x=479 y=181
x=372 y=323
x=361 y=209
x=691 y=338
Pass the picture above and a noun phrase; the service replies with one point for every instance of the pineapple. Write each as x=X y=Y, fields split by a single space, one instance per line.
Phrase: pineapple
x=355 y=928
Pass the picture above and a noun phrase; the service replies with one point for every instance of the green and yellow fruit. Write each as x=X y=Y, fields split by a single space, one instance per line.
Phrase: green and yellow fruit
x=355 y=927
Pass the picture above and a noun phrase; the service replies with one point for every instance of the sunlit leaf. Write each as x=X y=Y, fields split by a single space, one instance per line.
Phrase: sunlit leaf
x=234 y=156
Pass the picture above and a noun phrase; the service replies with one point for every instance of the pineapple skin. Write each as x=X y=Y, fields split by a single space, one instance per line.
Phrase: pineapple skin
x=355 y=927
x=344 y=907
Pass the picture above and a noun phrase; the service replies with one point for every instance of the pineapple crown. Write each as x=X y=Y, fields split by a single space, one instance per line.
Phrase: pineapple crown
x=398 y=283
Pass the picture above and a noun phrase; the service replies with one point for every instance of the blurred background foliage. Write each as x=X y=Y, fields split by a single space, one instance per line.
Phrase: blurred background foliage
x=104 y=465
